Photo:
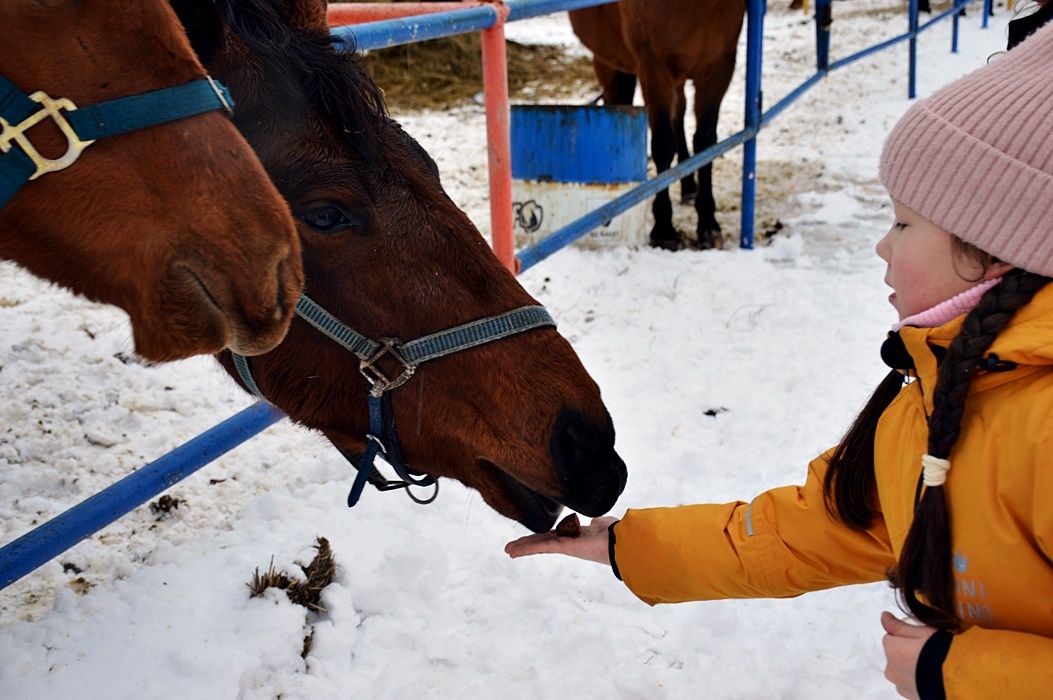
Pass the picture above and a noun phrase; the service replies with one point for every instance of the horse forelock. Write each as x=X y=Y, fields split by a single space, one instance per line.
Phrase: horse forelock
x=290 y=66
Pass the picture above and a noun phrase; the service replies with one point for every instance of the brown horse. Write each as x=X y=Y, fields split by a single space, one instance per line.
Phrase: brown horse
x=387 y=252
x=923 y=5
x=177 y=223
x=665 y=44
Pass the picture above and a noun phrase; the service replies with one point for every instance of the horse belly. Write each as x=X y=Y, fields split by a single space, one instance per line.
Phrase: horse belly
x=684 y=36
x=600 y=30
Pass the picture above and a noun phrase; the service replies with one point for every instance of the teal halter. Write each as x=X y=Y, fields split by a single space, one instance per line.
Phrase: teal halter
x=382 y=437
x=20 y=161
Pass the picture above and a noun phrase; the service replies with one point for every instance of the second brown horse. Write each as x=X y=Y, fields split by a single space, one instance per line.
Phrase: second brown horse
x=665 y=44
x=388 y=253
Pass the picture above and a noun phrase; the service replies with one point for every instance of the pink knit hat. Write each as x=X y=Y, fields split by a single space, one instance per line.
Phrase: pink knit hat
x=976 y=158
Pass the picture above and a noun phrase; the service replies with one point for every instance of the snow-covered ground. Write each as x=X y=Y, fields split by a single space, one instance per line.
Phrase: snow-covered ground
x=725 y=372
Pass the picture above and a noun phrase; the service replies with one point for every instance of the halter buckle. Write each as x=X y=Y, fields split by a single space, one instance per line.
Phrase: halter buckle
x=378 y=380
x=12 y=134
x=229 y=108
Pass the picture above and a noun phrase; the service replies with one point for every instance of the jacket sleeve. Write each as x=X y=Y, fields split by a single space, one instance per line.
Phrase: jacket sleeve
x=986 y=663
x=782 y=544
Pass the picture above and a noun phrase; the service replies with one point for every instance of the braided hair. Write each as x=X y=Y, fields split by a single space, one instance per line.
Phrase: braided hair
x=924 y=575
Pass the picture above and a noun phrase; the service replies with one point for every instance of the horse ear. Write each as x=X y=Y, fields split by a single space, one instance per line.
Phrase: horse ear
x=307 y=14
x=203 y=25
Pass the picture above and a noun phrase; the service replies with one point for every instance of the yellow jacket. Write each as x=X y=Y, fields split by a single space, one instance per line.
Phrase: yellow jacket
x=1000 y=495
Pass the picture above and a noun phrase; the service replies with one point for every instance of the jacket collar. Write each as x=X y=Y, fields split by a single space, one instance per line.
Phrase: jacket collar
x=1027 y=342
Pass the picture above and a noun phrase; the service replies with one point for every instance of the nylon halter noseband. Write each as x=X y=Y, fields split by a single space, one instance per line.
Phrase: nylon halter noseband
x=83 y=126
x=382 y=437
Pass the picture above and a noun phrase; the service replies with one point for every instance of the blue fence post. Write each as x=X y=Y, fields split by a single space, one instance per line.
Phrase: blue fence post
x=954 y=24
x=912 y=29
x=987 y=13
x=755 y=10
x=823 y=19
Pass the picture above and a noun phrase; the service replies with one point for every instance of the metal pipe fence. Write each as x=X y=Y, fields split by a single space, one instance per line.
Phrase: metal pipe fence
x=40 y=545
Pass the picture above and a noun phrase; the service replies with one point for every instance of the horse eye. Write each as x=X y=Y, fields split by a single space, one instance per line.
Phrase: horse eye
x=330 y=219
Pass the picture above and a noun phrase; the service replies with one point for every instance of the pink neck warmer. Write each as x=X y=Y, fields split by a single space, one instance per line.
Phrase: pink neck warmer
x=948 y=310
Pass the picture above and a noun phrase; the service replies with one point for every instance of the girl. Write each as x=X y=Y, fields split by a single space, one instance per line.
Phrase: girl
x=941 y=482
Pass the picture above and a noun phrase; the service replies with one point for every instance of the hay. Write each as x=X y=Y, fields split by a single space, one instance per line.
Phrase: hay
x=307 y=592
x=442 y=73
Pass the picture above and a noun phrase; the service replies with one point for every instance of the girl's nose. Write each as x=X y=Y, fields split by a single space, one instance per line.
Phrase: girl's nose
x=882 y=248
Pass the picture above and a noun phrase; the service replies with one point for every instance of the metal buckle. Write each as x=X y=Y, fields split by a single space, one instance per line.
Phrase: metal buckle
x=11 y=134
x=219 y=93
x=379 y=381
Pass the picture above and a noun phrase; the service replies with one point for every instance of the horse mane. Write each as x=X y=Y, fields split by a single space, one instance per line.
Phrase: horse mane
x=303 y=64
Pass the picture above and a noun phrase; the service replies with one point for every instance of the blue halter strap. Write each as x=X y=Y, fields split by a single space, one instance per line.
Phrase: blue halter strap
x=20 y=161
x=382 y=438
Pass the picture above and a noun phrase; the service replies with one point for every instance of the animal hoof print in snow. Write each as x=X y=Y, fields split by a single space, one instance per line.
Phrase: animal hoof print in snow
x=569 y=526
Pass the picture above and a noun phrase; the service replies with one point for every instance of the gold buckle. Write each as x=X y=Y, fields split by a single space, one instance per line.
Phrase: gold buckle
x=11 y=134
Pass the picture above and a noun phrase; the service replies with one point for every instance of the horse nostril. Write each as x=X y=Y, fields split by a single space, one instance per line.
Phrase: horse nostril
x=288 y=286
x=591 y=472
x=280 y=308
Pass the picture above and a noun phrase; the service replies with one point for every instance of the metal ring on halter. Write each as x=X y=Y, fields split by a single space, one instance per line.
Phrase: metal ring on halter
x=378 y=381
x=380 y=443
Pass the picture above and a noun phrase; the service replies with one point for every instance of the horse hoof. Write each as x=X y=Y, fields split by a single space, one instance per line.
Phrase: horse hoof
x=710 y=240
x=665 y=243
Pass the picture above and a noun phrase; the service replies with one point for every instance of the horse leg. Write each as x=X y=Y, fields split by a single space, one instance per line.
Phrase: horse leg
x=658 y=92
x=688 y=189
x=709 y=235
x=709 y=93
x=619 y=87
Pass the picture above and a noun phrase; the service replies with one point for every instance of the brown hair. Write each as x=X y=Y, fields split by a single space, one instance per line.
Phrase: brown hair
x=924 y=575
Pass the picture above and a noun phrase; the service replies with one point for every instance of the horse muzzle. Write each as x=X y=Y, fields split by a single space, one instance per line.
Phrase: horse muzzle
x=591 y=473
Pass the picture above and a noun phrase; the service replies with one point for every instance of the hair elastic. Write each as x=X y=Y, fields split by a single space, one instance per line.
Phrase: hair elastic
x=934 y=470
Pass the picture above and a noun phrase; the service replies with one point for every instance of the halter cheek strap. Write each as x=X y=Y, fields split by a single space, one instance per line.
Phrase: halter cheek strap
x=20 y=161
x=382 y=437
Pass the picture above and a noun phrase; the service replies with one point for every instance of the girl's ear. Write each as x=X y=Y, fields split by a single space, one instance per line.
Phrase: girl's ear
x=997 y=270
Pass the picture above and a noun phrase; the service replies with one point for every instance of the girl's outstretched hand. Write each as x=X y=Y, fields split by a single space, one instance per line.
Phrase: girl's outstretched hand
x=903 y=642
x=591 y=545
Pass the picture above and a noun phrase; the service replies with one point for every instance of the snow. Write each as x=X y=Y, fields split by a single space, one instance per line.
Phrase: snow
x=779 y=343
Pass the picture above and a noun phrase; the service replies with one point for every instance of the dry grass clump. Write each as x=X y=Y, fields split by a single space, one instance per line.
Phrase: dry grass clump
x=306 y=592
x=163 y=506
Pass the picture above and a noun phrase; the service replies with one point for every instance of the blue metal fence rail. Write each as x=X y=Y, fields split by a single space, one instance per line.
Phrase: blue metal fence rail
x=54 y=537
x=62 y=532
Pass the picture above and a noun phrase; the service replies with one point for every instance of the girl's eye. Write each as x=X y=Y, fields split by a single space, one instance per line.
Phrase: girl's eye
x=329 y=219
x=899 y=226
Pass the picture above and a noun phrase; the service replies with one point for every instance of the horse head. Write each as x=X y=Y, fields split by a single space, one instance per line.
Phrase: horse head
x=388 y=253
x=176 y=222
